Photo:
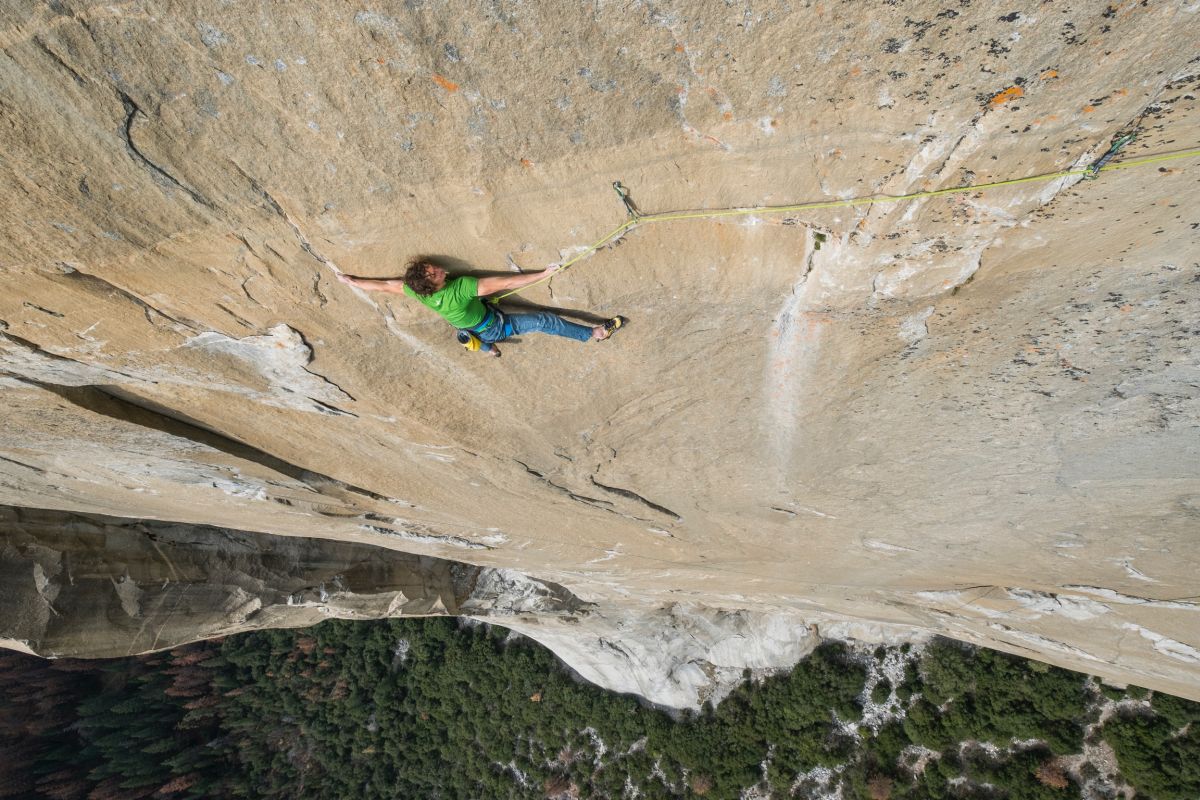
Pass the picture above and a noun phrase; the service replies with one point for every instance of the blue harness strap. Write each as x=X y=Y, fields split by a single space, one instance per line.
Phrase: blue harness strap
x=493 y=316
x=487 y=320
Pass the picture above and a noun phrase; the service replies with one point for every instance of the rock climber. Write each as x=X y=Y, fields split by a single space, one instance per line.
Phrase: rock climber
x=459 y=301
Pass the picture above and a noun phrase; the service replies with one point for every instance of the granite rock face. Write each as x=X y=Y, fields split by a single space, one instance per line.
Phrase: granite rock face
x=112 y=587
x=976 y=414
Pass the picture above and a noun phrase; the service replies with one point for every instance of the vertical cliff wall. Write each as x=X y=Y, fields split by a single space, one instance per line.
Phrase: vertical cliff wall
x=974 y=414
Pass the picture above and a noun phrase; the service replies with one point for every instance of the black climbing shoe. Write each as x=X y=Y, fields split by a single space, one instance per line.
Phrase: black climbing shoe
x=610 y=327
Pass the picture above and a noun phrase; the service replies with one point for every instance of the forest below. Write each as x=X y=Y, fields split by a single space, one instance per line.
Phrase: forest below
x=432 y=708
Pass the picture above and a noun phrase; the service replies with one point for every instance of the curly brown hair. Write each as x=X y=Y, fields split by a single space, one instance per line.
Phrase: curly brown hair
x=416 y=277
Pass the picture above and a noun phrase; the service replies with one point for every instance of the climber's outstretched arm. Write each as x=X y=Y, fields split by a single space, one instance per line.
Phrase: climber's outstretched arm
x=395 y=285
x=506 y=283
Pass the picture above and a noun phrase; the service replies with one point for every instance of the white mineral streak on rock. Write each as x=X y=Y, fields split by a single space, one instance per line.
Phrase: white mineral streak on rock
x=281 y=358
x=565 y=254
x=129 y=595
x=1044 y=643
x=912 y=327
x=886 y=547
x=235 y=488
x=421 y=536
x=792 y=351
x=609 y=555
x=507 y=592
x=869 y=632
x=18 y=645
x=396 y=608
x=1025 y=604
x=1166 y=645
x=680 y=656
x=35 y=365
x=1132 y=572
x=1125 y=599
x=942 y=596
x=1037 y=603
x=242 y=606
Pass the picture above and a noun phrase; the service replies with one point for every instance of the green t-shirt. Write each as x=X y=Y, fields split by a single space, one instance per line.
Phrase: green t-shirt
x=457 y=302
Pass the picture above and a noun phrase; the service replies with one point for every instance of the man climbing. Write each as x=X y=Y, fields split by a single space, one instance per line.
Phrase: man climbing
x=459 y=301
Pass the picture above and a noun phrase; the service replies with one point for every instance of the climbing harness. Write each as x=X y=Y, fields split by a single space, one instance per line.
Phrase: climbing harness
x=636 y=218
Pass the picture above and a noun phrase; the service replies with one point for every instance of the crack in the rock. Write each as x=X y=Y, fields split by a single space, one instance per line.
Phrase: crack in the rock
x=1113 y=596
x=112 y=402
x=38 y=470
x=238 y=317
x=594 y=502
x=249 y=296
x=40 y=44
x=428 y=537
x=636 y=497
x=132 y=109
x=971 y=126
x=36 y=307
x=35 y=347
x=100 y=285
x=275 y=206
x=317 y=290
x=333 y=410
x=311 y=350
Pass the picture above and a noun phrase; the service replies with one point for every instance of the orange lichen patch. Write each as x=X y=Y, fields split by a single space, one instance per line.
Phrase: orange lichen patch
x=678 y=48
x=1125 y=309
x=728 y=115
x=1008 y=95
x=1121 y=92
x=381 y=60
x=1088 y=109
x=526 y=163
x=448 y=85
x=855 y=72
x=1048 y=74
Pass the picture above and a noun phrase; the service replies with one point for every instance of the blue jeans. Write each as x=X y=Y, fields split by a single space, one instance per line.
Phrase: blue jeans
x=505 y=325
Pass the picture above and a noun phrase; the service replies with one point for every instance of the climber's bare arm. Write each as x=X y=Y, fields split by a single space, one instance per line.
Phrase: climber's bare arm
x=507 y=283
x=395 y=285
